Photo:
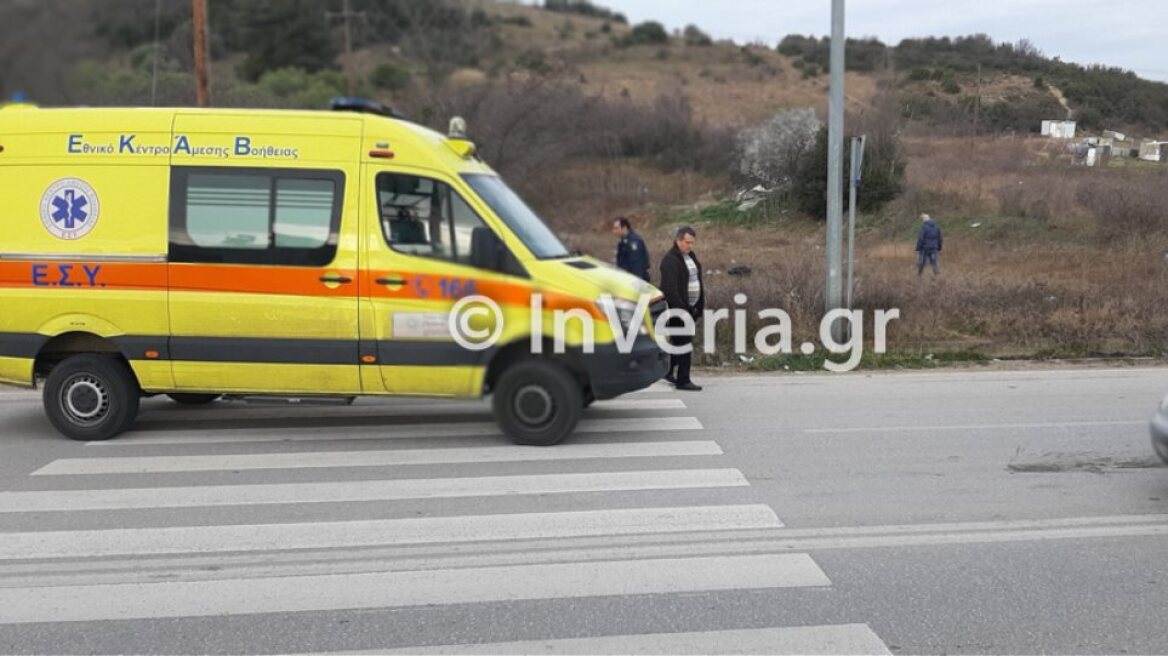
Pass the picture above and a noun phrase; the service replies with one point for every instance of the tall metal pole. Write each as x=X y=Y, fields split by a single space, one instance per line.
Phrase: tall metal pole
x=199 y=18
x=835 y=142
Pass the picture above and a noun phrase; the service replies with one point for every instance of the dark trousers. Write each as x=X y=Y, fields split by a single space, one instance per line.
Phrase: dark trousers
x=681 y=363
x=930 y=256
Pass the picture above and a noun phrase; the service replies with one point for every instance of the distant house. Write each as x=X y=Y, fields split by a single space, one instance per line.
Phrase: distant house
x=1058 y=129
x=1082 y=154
x=1086 y=154
x=1114 y=136
x=1153 y=151
x=1103 y=156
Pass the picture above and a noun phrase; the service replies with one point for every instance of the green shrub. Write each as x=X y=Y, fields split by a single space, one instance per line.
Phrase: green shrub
x=695 y=37
x=882 y=175
x=390 y=77
x=920 y=74
x=302 y=89
x=647 y=33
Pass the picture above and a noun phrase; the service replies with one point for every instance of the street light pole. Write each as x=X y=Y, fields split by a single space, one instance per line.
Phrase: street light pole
x=835 y=142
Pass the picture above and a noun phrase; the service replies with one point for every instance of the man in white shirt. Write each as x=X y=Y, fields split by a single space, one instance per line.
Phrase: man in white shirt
x=681 y=282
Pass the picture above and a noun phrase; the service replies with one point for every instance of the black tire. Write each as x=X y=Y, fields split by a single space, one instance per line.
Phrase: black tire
x=194 y=399
x=537 y=403
x=91 y=397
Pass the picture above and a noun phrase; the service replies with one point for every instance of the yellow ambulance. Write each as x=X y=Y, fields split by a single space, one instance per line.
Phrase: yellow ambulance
x=200 y=253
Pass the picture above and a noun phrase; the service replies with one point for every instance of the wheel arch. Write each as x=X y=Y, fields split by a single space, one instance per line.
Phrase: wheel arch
x=520 y=350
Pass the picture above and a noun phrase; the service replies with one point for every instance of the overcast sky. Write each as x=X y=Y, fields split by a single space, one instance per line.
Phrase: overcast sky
x=1130 y=34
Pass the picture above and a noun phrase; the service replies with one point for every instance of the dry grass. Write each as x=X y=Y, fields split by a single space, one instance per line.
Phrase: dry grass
x=993 y=178
x=725 y=83
x=1014 y=286
x=1000 y=301
x=722 y=87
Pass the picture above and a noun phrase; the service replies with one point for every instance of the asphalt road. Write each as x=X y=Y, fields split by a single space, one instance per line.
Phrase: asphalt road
x=971 y=511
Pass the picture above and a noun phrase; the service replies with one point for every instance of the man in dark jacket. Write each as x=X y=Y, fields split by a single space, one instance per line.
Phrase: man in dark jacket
x=681 y=282
x=929 y=242
x=630 y=250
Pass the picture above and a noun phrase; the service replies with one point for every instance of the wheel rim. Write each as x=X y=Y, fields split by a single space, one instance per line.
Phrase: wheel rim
x=85 y=400
x=533 y=405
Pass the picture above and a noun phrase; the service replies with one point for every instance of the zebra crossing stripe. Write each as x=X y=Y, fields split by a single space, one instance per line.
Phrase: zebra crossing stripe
x=374 y=490
x=157 y=413
x=241 y=434
x=578 y=450
x=812 y=640
x=381 y=532
x=403 y=589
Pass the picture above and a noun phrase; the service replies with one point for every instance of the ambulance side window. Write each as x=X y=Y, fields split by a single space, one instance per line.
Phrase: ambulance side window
x=255 y=216
x=426 y=218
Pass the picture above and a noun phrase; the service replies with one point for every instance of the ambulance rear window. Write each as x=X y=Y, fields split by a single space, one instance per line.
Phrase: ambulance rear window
x=255 y=216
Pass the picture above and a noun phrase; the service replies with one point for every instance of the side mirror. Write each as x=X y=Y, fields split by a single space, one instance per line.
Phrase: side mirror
x=487 y=250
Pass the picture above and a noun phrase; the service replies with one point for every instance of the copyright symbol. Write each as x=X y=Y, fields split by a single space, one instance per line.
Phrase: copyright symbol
x=468 y=336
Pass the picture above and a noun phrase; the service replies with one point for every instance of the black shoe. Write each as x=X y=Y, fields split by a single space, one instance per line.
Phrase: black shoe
x=669 y=378
x=689 y=387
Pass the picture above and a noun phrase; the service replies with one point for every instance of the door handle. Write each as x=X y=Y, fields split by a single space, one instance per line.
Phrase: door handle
x=390 y=281
x=340 y=280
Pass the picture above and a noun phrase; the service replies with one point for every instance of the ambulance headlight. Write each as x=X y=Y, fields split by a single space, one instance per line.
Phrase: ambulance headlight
x=624 y=310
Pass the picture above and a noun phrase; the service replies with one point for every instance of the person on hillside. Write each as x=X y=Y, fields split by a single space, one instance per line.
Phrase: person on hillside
x=681 y=282
x=631 y=254
x=929 y=243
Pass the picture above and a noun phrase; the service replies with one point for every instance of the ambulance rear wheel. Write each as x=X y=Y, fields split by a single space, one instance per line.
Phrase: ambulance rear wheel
x=91 y=397
x=537 y=403
x=194 y=399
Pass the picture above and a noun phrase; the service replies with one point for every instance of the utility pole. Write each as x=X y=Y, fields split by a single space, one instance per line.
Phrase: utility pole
x=347 y=14
x=835 y=142
x=199 y=18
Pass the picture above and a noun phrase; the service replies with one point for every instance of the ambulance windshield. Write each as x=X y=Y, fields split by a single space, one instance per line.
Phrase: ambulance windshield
x=538 y=238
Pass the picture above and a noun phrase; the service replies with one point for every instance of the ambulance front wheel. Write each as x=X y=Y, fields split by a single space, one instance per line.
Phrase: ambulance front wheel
x=538 y=403
x=91 y=397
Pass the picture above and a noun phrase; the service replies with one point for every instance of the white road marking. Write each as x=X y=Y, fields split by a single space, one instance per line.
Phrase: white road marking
x=237 y=410
x=375 y=490
x=898 y=429
x=812 y=640
x=243 y=434
x=401 y=589
x=381 y=532
x=387 y=458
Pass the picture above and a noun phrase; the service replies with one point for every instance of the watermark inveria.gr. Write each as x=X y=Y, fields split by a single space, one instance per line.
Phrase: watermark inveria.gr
x=627 y=321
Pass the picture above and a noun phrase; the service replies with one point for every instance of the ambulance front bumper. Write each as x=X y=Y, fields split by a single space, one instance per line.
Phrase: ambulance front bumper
x=612 y=373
